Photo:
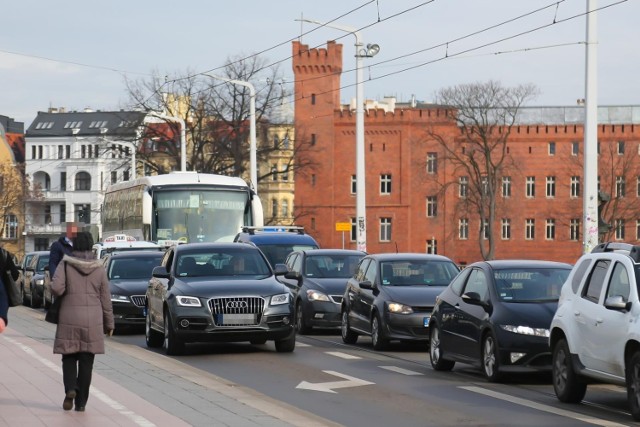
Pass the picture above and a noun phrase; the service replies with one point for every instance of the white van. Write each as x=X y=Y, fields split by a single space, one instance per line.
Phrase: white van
x=121 y=243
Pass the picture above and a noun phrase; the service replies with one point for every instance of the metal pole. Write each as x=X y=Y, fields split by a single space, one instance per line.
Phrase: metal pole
x=253 y=161
x=590 y=197
x=361 y=213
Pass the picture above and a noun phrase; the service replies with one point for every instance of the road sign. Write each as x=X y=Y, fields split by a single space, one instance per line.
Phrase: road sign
x=343 y=226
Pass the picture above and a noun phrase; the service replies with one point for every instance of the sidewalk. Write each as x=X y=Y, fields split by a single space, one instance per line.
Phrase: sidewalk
x=31 y=390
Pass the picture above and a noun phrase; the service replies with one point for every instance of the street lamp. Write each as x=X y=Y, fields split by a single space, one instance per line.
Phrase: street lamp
x=252 y=126
x=362 y=51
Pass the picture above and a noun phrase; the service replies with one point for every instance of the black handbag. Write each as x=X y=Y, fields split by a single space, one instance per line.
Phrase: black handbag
x=54 y=310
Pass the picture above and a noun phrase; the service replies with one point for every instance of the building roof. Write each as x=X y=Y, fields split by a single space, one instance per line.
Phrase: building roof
x=86 y=123
x=607 y=115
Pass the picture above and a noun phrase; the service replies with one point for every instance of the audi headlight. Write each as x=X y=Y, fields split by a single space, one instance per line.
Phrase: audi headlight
x=316 y=296
x=397 y=308
x=185 y=301
x=40 y=282
x=280 y=299
x=526 y=330
x=119 y=298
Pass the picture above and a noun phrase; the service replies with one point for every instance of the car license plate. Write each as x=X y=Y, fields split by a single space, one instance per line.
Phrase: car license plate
x=425 y=321
x=238 y=319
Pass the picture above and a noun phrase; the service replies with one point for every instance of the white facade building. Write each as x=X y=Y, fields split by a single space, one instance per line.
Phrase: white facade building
x=70 y=159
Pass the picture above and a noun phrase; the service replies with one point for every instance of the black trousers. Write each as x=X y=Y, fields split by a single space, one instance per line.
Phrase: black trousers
x=76 y=375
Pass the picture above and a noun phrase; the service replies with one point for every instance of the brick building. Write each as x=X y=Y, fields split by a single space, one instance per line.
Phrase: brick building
x=540 y=208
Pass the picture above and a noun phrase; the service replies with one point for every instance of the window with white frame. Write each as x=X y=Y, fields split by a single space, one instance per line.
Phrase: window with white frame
x=505 y=231
x=285 y=173
x=274 y=208
x=274 y=172
x=530 y=229
x=619 y=227
x=530 y=190
x=432 y=163
x=464 y=186
x=463 y=228
x=506 y=186
x=353 y=184
x=385 y=229
x=432 y=246
x=550 y=229
x=551 y=186
x=432 y=206
x=285 y=208
x=575 y=186
x=574 y=230
x=354 y=230
x=385 y=183
x=620 y=186
x=10 y=226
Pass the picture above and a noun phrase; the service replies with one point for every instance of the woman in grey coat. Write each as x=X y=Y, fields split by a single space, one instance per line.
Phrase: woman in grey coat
x=86 y=315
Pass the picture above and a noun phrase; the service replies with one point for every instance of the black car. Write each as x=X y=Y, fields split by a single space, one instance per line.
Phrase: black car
x=391 y=296
x=129 y=274
x=319 y=277
x=218 y=292
x=33 y=280
x=277 y=242
x=496 y=314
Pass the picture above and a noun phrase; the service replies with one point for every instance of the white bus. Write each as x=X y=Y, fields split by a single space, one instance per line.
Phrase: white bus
x=180 y=207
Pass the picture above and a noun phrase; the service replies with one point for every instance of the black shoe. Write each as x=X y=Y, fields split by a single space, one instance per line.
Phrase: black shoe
x=68 y=400
x=80 y=408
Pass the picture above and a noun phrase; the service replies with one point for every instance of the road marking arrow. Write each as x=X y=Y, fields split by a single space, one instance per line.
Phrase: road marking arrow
x=328 y=386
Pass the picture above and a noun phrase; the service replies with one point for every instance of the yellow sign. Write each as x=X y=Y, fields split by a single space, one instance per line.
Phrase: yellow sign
x=343 y=226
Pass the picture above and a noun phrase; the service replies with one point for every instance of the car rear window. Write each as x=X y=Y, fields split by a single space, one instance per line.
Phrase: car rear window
x=133 y=268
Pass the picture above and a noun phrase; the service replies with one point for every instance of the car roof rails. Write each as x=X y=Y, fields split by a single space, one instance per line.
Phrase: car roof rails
x=271 y=228
x=612 y=247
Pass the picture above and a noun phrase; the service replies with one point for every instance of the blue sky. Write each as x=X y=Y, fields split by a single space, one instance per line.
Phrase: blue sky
x=75 y=53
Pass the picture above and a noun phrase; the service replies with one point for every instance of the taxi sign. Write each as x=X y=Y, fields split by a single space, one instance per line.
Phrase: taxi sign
x=343 y=226
x=120 y=238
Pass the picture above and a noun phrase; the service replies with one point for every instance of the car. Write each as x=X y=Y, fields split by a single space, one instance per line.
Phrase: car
x=225 y=292
x=595 y=332
x=129 y=274
x=22 y=271
x=33 y=282
x=496 y=315
x=277 y=242
x=123 y=243
x=391 y=296
x=319 y=278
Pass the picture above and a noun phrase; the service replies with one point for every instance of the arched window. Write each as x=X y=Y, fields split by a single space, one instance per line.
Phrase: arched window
x=83 y=181
x=42 y=180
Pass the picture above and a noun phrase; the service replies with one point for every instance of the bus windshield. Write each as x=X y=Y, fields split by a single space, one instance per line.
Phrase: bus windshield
x=201 y=215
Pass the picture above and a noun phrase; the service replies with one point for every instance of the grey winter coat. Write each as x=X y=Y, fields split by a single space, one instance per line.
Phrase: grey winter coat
x=86 y=313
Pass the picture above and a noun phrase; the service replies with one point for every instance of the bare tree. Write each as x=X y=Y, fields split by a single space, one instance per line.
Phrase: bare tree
x=484 y=114
x=217 y=117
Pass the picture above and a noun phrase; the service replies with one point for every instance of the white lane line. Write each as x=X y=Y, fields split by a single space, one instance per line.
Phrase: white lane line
x=400 y=370
x=138 y=419
x=301 y=344
x=342 y=355
x=541 y=407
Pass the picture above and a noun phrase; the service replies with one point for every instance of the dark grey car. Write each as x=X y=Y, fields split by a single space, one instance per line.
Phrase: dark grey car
x=33 y=280
x=391 y=297
x=223 y=292
x=319 y=277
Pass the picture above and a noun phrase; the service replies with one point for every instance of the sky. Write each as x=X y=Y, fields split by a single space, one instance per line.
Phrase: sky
x=77 y=54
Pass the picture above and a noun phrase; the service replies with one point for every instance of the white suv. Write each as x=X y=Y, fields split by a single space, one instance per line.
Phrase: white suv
x=595 y=333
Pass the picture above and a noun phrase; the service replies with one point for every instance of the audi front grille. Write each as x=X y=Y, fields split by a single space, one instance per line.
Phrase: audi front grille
x=236 y=311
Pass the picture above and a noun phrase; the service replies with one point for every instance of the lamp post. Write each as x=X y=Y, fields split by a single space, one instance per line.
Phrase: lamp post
x=252 y=127
x=362 y=51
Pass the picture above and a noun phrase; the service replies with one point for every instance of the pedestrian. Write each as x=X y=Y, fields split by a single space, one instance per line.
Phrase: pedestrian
x=7 y=266
x=61 y=247
x=85 y=316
